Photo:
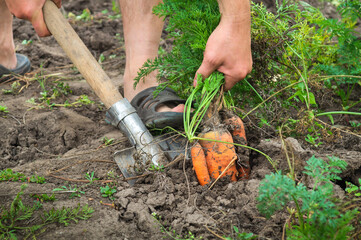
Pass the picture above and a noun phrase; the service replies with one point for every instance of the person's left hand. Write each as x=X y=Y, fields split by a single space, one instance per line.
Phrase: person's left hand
x=228 y=50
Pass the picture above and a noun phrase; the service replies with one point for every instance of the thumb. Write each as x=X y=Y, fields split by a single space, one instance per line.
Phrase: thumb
x=205 y=70
x=39 y=24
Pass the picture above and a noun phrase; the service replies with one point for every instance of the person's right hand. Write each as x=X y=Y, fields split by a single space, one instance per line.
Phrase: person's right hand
x=31 y=10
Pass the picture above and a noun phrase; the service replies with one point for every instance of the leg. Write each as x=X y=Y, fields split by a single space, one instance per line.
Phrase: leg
x=142 y=32
x=7 y=47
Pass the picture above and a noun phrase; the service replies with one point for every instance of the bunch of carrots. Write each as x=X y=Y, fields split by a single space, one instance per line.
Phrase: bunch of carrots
x=218 y=151
x=215 y=155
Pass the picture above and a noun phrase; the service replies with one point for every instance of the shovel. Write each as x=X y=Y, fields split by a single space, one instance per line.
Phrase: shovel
x=120 y=112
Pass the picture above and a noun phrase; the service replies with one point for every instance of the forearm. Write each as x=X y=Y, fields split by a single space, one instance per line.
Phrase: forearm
x=235 y=10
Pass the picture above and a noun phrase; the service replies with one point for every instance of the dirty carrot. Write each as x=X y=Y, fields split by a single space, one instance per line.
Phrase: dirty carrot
x=237 y=129
x=200 y=164
x=238 y=132
x=219 y=154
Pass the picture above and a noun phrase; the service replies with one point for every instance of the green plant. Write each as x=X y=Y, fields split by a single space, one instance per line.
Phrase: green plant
x=313 y=140
x=16 y=219
x=101 y=58
x=9 y=175
x=90 y=177
x=107 y=141
x=75 y=191
x=156 y=168
x=27 y=42
x=44 y=197
x=241 y=236
x=355 y=124
x=353 y=189
x=4 y=109
x=115 y=9
x=108 y=191
x=14 y=88
x=84 y=16
x=316 y=209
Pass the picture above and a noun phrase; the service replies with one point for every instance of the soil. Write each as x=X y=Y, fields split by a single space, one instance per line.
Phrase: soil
x=66 y=143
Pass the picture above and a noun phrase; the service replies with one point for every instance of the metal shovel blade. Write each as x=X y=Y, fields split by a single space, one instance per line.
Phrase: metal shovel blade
x=125 y=162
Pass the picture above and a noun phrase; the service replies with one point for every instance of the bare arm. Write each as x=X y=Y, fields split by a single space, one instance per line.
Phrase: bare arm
x=228 y=49
x=31 y=10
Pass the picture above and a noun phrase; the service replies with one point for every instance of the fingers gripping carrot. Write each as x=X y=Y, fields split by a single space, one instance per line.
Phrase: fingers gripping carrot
x=200 y=164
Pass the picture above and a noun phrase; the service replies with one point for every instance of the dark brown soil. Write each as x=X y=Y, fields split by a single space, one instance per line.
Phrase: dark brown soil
x=64 y=144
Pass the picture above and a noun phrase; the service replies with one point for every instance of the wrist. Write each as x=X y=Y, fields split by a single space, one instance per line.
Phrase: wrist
x=234 y=8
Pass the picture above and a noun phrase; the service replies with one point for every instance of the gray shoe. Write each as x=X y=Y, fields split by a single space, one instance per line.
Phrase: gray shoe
x=22 y=67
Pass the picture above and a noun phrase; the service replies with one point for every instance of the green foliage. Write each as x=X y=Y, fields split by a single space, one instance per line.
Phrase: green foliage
x=241 y=236
x=84 y=16
x=156 y=168
x=90 y=177
x=108 y=191
x=44 y=197
x=27 y=42
x=14 y=88
x=353 y=189
x=75 y=191
x=9 y=175
x=16 y=219
x=318 y=215
x=313 y=140
x=107 y=141
x=4 y=109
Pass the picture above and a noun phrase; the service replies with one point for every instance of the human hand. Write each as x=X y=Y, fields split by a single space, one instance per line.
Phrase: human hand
x=31 y=10
x=228 y=50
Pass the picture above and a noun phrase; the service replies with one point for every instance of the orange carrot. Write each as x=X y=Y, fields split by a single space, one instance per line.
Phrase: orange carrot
x=219 y=155
x=237 y=129
x=238 y=132
x=200 y=164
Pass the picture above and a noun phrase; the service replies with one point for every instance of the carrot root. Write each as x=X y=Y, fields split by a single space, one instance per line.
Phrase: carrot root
x=200 y=164
x=219 y=154
x=239 y=136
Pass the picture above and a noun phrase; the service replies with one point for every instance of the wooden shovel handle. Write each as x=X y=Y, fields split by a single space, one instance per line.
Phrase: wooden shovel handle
x=80 y=55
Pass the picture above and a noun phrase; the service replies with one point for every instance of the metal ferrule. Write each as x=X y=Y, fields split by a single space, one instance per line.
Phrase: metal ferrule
x=124 y=116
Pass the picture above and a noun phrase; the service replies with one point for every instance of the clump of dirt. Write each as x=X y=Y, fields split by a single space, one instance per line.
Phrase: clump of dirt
x=67 y=144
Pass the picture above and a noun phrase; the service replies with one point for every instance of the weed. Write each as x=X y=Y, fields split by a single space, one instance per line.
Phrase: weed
x=115 y=9
x=108 y=191
x=107 y=141
x=355 y=124
x=44 y=197
x=16 y=220
x=14 y=88
x=156 y=168
x=90 y=177
x=316 y=210
x=9 y=175
x=76 y=192
x=313 y=140
x=84 y=16
x=4 y=109
x=101 y=58
x=353 y=189
x=27 y=42
x=241 y=236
